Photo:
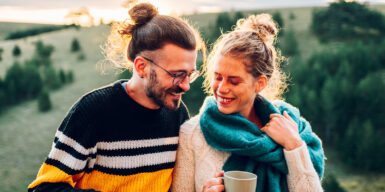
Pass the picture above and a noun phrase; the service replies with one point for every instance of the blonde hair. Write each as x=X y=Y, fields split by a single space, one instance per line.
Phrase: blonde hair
x=252 y=41
x=146 y=30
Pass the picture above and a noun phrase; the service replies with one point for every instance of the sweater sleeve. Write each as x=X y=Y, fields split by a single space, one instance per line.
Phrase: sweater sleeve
x=183 y=174
x=302 y=176
x=72 y=152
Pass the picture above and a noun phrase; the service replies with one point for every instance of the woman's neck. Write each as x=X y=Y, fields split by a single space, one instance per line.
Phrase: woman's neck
x=254 y=118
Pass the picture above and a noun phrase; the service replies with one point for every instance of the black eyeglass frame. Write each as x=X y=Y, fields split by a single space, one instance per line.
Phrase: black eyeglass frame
x=181 y=75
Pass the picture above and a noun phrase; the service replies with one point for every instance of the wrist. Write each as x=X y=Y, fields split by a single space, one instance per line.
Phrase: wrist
x=293 y=144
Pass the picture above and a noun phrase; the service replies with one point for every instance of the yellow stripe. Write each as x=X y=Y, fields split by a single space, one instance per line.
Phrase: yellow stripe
x=52 y=174
x=159 y=181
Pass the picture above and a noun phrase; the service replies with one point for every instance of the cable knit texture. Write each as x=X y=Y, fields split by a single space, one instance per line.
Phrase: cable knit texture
x=109 y=142
x=197 y=162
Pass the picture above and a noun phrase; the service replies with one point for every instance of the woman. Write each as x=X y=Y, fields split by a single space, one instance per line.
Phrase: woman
x=242 y=126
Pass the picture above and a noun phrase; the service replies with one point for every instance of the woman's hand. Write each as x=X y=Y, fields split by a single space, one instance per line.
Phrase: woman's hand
x=215 y=184
x=283 y=130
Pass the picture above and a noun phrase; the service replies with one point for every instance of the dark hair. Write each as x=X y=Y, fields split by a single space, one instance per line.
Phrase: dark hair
x=146 y=30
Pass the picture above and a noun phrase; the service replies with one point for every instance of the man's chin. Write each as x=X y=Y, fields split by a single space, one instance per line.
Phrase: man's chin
x=172 y=104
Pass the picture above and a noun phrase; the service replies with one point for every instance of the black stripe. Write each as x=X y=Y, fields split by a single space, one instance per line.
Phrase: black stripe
x=62 y=167
x=137 y=151
x=125 y=172
x=72 y=151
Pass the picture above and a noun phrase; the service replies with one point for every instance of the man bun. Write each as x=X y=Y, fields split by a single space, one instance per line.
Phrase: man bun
x=139 y=14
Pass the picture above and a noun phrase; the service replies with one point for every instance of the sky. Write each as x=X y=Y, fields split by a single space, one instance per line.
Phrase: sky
x=51 y=11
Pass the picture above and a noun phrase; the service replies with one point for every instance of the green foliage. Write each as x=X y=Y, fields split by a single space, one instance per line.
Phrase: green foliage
x=125 y=74
x=289 y=44
x=44 y=101
x=51 y=78
x=1 y=53
x=330 y=184
x=292 y=16
x=70 y=76
x=81 y=56
x=238 y=15
x=223 y=23
x=194 y=95
x=62 y=76
x=21 y=83
x=37 y=31
x=75 y=45
x=277 y=17
x=344 y=97
x=347 y=20
x=42 y=56
x=16 y=51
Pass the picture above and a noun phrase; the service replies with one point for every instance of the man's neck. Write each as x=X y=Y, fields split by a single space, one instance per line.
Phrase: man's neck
x=136 y=91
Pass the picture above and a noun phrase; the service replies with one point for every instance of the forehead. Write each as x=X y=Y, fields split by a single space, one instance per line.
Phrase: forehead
x=176 y=58
x=230 y=66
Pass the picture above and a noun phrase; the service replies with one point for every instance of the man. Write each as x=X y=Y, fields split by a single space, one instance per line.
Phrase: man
x=123 y=137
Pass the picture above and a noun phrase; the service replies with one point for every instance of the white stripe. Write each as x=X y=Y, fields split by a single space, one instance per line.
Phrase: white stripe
x=137 y=143
x=118 y=162
x=67 y=159
x=75 y=145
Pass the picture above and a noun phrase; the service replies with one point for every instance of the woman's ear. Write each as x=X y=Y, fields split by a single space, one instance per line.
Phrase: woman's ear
x=261 y=83
x=140 y=66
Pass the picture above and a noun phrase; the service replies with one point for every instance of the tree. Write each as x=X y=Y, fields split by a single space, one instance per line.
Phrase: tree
x=62 y=76
x=44 y=101
x=14 y=83
x=70 y=76
x=289 y=44
x=277 y=17
x=331 y=184
x=238 y=15
x=16 y=52
x=42 y=55
x=75 y=45
x=292 y=16
x=1 y=53
x=347 y=20
x=51 y=79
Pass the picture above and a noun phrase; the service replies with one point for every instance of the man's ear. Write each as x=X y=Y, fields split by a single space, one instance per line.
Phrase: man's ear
x=261 y=83
x=140 y=65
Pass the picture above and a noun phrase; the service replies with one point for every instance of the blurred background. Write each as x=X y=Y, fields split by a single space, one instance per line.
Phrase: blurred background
x=50 y=55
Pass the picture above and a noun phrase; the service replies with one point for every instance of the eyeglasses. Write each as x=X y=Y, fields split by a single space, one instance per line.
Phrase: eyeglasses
x=179 y=76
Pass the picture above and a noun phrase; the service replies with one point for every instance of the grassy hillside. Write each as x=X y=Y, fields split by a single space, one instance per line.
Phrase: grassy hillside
x=8 y=27
x=26 y=134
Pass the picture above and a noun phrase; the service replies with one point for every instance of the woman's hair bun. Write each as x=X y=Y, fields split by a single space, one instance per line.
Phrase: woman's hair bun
x=142 y=13
x=262 y=24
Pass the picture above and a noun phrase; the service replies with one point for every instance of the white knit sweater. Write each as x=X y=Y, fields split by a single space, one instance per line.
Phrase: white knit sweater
x=197 y=162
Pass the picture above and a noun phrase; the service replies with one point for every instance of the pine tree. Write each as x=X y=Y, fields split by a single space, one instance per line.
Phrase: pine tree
x=44 y=101
x=331 y=184
x=75 y=45
x=16 y=52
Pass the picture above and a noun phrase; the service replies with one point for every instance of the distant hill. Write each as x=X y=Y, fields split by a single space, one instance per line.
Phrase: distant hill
x=9 y=27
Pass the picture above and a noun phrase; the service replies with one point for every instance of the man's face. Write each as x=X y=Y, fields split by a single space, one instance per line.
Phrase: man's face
x=160 y=88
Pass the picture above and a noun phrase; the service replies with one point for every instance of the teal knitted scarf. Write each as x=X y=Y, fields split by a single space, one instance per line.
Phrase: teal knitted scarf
x=252 y=150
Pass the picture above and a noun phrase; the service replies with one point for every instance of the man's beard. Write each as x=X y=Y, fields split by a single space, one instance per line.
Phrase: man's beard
x=159 y=95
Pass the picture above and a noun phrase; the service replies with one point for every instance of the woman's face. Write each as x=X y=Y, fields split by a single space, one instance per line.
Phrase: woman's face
x=234 y=88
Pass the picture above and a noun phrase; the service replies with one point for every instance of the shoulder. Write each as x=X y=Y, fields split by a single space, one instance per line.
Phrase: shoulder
x=284 y=106
x=97 y=100
x=191 y=125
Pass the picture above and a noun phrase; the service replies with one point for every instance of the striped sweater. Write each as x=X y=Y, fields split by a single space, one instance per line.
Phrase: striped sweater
x=108 y=142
